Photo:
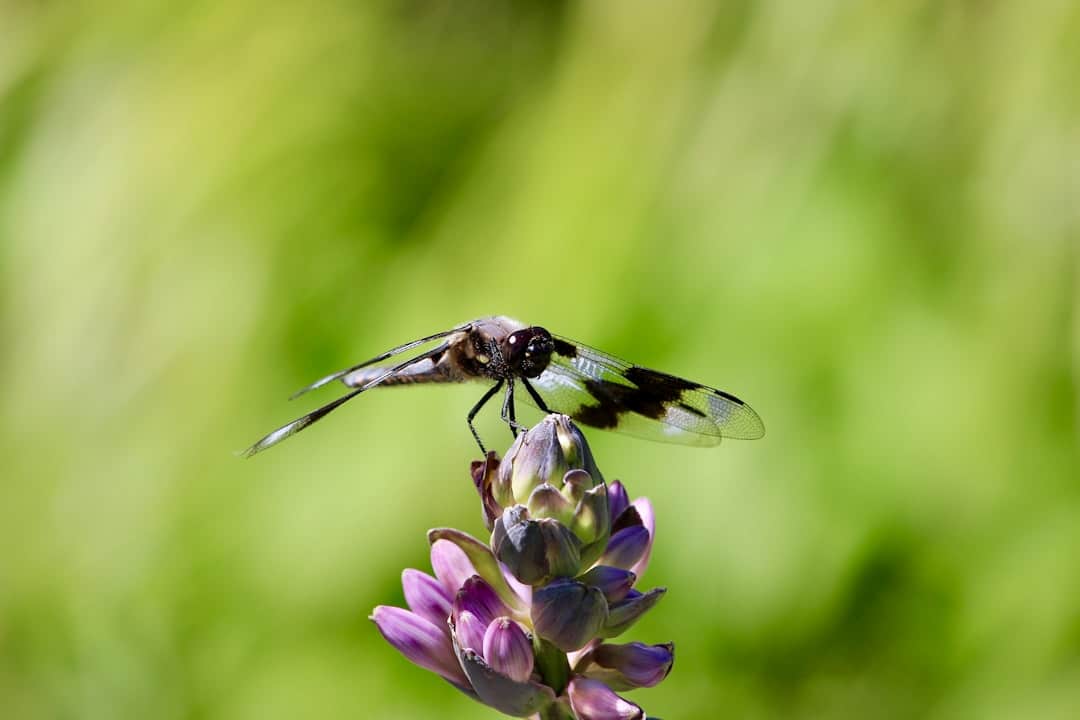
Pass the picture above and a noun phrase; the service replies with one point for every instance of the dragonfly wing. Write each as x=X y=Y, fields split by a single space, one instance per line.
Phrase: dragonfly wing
x=289 y=429
x=602 y=391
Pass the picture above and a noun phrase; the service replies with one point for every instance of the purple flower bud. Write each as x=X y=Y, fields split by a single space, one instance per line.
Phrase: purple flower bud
x=534 y=458
x=626 y=547
x=535 y=551
x=614 y=582
x=568 y=613
x=468 y=630
x=593 y=700
x=426 y=597
x=478 y=598
x=618 y=500
x=475 y=606
x=625 y=667
x=508 y=650
x=420 y=641
x=626 y=612
x=544 y=454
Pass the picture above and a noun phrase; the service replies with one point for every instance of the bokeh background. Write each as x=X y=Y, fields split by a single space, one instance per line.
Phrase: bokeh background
x=861 y=217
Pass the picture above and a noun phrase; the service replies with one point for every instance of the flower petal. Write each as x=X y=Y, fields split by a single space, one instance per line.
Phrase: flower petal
x=483 y=475
x=520 y=699
x=573 y=658
x=420 y=641
x=451 y=565
x=626 y=612
x=626 y=547
x=481 y=558
x=593 y=700
x=648 y=520
x=523 y=591
x=618 y=500
x=629 y=666
x=426 y=596
x=614 y=582
x=508 y=650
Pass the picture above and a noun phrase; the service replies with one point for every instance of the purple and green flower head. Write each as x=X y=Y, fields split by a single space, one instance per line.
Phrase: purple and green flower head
x=521 y=623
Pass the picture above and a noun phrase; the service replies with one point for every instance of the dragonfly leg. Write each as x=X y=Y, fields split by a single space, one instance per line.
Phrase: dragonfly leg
x=476 y=408
x=536 y=396
x=508 y=414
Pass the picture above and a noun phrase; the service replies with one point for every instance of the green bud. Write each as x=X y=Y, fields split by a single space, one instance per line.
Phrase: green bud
x=544 y=454
x=590 y=521
x=547 y=502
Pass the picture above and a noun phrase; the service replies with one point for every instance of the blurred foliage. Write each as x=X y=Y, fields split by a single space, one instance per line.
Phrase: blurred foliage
x=862 y=217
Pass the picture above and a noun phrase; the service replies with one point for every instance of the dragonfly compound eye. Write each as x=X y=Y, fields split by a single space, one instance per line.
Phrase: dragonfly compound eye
x=540 y=343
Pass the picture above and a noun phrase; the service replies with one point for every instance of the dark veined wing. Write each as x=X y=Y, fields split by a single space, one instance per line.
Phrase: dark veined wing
x=605 y=392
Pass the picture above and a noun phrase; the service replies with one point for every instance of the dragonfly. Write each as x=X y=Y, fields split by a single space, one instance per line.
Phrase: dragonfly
x=557 y=374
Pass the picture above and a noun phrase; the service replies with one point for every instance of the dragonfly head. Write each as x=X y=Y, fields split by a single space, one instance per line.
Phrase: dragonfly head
x=529 y=351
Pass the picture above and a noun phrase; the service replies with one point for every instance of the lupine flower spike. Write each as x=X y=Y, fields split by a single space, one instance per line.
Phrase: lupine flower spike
x=521 y=623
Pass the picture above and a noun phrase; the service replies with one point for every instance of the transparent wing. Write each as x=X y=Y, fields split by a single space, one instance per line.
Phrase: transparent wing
x=340 y=374
x=289 y=429
x=602 y=391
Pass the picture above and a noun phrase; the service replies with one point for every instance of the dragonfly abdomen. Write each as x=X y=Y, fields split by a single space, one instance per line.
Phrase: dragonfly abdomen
x=421 y=373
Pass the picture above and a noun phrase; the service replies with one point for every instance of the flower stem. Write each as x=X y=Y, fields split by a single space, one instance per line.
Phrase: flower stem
x=552 y=664
x=556 y=711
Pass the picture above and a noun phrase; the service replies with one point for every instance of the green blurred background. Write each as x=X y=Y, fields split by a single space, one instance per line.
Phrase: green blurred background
x=861 y=217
